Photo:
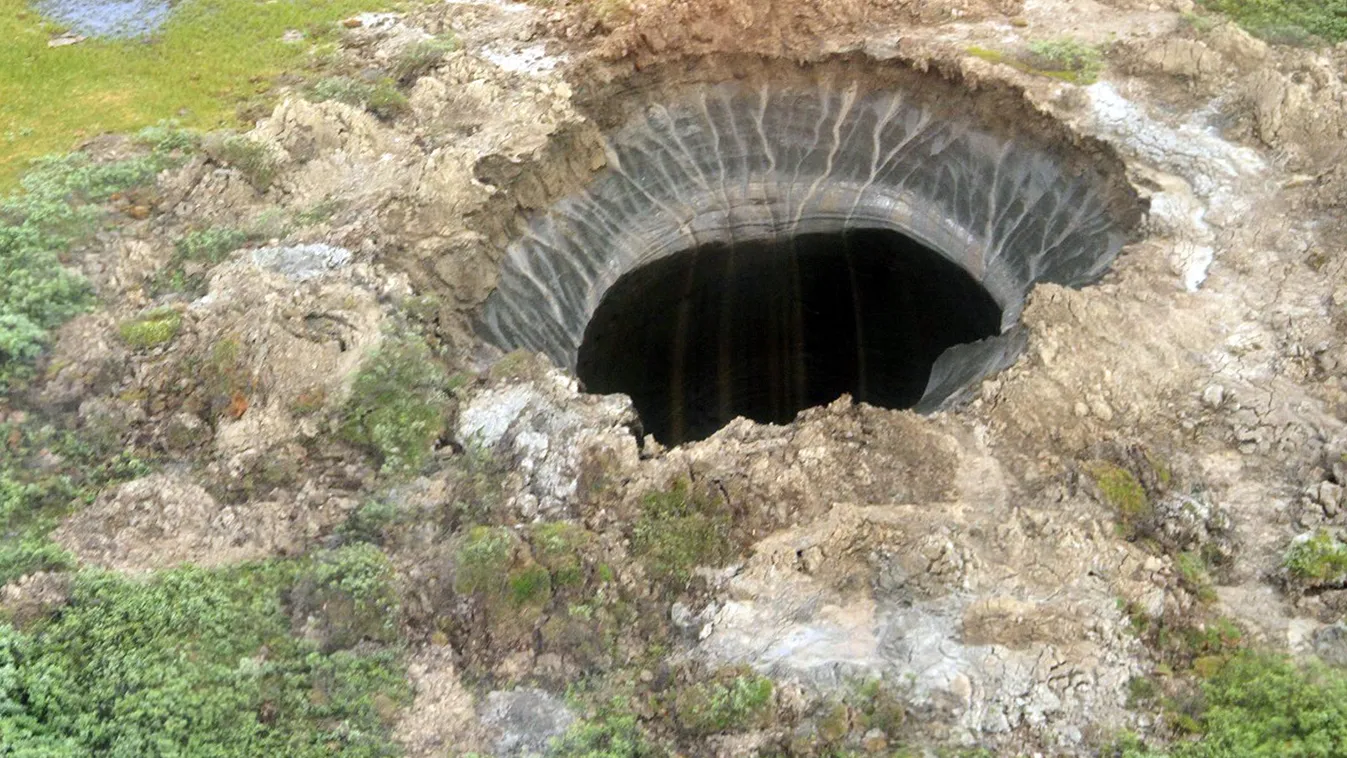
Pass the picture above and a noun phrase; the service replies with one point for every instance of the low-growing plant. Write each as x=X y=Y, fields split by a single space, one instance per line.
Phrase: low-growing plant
x=398 y=403
x=679 y=529
x=1195 y=576
x=194 y=254
x=189 y=662
x=380 y=97
x=733 y=701
x=1261 y=706
x=614 y=732
x=1319 y=559
x=150 y=330
x=33 y=498
x=250 y=158
x=1067 y=58
x=1288 y=21
x=55 y=207
x=419 y=58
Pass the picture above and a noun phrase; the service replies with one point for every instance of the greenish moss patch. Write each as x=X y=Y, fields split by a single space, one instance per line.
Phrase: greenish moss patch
x=398 y=403
x=155 y=328
x=680 y=529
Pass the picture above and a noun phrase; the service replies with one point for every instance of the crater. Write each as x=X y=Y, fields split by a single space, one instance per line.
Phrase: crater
x=764 y=240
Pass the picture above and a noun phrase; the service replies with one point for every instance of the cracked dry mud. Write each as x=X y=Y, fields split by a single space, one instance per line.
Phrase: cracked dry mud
x=967 y=553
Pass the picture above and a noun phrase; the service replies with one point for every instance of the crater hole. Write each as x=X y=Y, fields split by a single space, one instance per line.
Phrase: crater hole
x=765 y=329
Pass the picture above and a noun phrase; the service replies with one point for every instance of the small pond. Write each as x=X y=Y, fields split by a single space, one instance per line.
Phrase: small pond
x=107 y=18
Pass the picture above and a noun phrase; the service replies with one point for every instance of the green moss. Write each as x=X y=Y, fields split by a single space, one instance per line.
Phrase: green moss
x=1288 y=21
x=151 y=330
x=1320 y=559
x=1121 y=491
x=398 y=403
x=380 y=97
x=680 y=529
x=736 y=702
x=190 y=662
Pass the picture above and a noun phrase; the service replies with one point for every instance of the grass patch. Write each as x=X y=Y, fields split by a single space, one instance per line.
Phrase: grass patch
x=1288 y=21
x=150 y=330
x=380 y=96
x=398 y=403
x=251 y=159
x=190 y=662
x=1065 y=58
x=210 y=56
x=420 y=58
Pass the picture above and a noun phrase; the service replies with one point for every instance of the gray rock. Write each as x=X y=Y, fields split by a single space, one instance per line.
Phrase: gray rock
x=525 y=721
x=302 y=262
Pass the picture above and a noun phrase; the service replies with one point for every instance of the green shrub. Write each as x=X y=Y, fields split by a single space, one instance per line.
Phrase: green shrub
x=251 y=159
x=1195 y=576
x=54 y=209
x=1318 y=560
x=419 y=58
x=1264 y=706
x=380 y=97
x=150 y=330
x=680 y=529
x=1067 y=58
x=194 y=254
x=613 y=733
x=347 y=596
x=33 y=498
x=1294 y=21
x=189 y=662
x=398 y=403
x=740 y=702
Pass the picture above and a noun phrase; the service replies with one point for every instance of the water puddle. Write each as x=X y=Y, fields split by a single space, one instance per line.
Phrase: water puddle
x=107 y=18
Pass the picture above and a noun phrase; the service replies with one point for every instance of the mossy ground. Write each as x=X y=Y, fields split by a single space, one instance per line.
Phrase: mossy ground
x=210 y=56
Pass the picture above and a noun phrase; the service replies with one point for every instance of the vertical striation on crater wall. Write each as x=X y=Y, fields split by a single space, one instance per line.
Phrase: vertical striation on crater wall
x=765 y=158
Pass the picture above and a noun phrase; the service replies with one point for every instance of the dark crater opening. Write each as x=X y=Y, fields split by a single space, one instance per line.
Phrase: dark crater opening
x=767 y=328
